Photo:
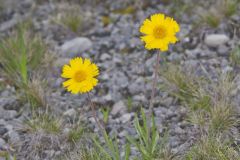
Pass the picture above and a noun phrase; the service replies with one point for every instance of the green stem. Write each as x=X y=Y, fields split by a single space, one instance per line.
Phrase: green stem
x=95 y=115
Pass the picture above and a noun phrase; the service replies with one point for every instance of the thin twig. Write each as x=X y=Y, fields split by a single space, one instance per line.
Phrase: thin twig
x=92 y=106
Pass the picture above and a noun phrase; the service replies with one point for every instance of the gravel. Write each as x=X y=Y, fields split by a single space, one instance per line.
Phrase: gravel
x=125 y=71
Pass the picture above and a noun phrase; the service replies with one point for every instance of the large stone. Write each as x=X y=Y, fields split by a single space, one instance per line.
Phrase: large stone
x=76 y=46
x=214 y=40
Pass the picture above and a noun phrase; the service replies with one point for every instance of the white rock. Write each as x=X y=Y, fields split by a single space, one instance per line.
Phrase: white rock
x=76 y=46
x=214 y=40
x=118 y=107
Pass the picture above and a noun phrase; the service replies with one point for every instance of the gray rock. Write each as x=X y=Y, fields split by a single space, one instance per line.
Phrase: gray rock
x=137 y=86
x=223 y=50
x=105 y=57
x=8 y=115
x=61 y=61
x=9 y=103
x=122 y=133
x=70 y=113
x=167 y=101
x=125 y=118
x=13 y=136
x=10 y=24
x=214 y=40
x=76 y=46
x=118 y=107
x=3 y=130
x=2 y=142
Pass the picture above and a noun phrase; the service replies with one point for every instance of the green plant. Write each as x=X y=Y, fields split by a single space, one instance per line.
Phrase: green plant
x=81 y=152
x=212 y=20
x=188 y=88
x=127 y=10
x=21 y=54
x=210 y=102
x=44 y=122
x=71 y=18
x=230 y=7
x=75 y=134
x=235 y=56
x=129 y=103
x=222 y=115
x=6 y=155
x=105 y=112
x=147 y=142
x=111 y=149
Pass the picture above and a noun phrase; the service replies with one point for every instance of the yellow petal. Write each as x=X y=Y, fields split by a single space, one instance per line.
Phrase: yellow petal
x=67 y=72
x=76 y=63
x=147 y=27
x=157 y=19
x=68 y=83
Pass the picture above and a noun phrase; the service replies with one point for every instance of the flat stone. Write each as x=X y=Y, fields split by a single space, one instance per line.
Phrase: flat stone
x=214 y=40
x=76 y=46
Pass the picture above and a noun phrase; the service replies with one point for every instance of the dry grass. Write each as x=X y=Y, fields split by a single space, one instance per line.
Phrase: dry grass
x=235 y=56
x=221 y=10
x=69 y=16
x=185 y=86
x=212 y=148
x=44 y=122
x=215 y=115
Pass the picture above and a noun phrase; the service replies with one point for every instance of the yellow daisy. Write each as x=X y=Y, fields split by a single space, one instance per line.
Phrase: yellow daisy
x=159 y=32
x=81 y=75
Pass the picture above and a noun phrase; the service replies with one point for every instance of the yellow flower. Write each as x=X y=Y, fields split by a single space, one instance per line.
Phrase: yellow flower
x=159 y=32
x=81 y=75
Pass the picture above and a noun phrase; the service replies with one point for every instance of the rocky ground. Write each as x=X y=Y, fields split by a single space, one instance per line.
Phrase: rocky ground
x=125 y=68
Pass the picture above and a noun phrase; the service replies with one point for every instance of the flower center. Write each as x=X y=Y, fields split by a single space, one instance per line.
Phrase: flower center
x=80 y=76
x=159 y=32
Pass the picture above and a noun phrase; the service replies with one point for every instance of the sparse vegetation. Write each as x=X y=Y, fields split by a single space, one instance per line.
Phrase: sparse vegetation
x=44 y=122
x=38 y=120
x=70 y=17
x=235 y=56
x=21 y=56
x=215 y=115
x=105 y=112
x=212 y=148
x=129 y=104
x=221 y=10
x=111 y=148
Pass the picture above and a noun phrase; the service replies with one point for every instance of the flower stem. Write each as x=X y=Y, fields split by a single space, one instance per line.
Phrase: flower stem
x=154 y=85
x=92 y=106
